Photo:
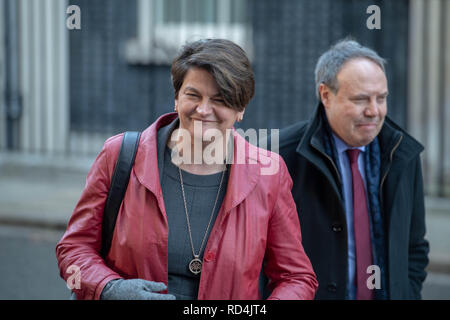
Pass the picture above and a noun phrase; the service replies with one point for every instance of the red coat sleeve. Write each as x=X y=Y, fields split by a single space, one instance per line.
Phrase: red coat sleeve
x=287 y=265
x=79 y=248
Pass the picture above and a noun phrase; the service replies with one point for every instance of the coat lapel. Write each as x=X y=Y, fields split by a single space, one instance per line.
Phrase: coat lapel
x=243 y=176
x=397 y=149
x=312 y=148
x=146 y=162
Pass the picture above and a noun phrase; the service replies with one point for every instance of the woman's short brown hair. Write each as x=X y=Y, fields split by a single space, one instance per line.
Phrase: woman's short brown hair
x=225 y=61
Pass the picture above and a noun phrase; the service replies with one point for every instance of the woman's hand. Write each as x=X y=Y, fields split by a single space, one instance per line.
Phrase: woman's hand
x=134 y=289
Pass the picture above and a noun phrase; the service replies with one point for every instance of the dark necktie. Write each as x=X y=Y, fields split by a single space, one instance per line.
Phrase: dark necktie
x=361 y=228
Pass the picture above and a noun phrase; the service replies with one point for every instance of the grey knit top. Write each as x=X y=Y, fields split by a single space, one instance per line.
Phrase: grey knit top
x=200 y=192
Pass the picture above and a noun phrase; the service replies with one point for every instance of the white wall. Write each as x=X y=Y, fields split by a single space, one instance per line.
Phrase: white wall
x=44 y=76
x=2 y=80
x=429 y=90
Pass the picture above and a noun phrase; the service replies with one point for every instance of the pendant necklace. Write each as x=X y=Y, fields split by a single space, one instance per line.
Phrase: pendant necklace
x=195 y=266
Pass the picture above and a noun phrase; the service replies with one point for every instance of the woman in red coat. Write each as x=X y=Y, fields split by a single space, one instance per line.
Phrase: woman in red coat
x=202 y=211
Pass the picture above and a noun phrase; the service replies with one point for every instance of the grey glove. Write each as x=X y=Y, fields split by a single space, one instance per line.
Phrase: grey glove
x=134 y=289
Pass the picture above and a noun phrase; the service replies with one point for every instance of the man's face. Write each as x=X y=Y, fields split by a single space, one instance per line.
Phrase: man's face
x=356 y=112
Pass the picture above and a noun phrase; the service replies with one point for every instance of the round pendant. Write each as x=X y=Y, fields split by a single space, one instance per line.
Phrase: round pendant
x=195 y=266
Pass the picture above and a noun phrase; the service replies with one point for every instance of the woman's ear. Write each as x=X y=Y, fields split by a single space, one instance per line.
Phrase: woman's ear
x=240 y=116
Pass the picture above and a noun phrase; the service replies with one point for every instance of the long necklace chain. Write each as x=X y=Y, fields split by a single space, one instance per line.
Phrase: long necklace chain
x=195 y=266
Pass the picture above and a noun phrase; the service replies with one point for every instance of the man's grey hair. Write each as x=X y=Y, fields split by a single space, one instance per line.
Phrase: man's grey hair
x=331 y=62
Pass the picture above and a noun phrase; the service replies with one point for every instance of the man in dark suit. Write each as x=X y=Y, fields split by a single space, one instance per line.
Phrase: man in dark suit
x=357 y=183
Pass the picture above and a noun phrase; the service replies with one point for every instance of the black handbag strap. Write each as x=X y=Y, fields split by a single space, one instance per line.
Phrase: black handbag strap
x=119 y=184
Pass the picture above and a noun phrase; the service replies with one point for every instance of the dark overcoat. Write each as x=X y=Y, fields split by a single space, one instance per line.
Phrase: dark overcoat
x=317 y=193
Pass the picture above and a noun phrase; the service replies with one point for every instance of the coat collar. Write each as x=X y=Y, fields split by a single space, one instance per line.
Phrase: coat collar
x=242 y=180
x=391 y=138
x=312 y=147
x=396 y=147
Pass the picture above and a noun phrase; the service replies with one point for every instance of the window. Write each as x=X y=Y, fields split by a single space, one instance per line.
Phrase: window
x=163 y=26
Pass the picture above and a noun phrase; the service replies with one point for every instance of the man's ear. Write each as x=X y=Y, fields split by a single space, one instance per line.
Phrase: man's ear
x=325 y=94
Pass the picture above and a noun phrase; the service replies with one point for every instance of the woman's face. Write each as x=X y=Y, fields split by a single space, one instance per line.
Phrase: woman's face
x=199 y=102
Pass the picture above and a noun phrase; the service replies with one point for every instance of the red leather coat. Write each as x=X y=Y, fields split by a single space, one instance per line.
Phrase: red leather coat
x=257 y=219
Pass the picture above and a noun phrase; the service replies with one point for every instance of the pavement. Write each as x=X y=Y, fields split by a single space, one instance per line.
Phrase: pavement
x=42 y=191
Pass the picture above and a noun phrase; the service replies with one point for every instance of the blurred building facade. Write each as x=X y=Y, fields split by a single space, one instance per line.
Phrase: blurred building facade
x=63 y=92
